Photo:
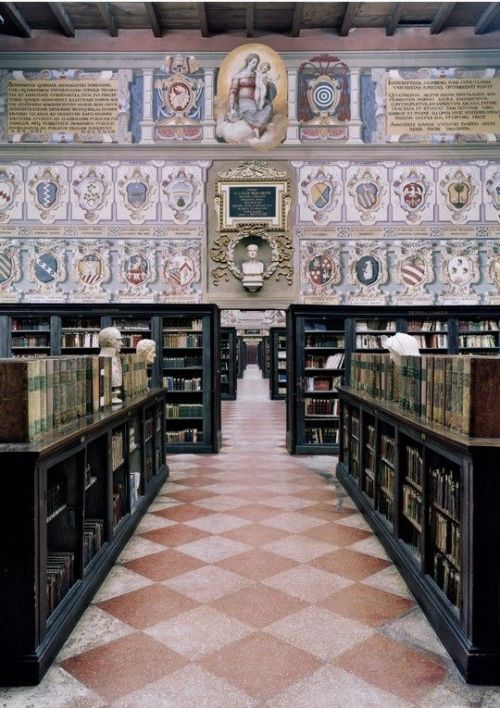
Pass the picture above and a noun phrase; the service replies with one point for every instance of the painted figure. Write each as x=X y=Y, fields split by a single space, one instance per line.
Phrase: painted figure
x=251 y=95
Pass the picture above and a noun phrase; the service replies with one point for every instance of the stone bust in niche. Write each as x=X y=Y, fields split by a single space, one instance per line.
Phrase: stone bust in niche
x=252 y=269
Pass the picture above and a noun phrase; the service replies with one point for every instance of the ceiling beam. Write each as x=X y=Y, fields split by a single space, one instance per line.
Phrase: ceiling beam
x=441 y=16
x=349 y=13
x=486 y=18
x=14 y=16
x=108 y=18
x=249 y=19
x=154 y=20
x=63 y=18
x=394 y=19
x=203 y=19
x=298 y=13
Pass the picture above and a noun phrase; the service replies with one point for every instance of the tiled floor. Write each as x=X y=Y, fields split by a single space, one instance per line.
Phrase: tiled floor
x=252 y=581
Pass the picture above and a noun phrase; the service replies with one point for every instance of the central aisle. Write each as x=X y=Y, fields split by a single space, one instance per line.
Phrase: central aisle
x=252 y=581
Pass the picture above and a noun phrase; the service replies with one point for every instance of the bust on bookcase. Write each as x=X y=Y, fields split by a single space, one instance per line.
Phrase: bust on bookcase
x=111 y=341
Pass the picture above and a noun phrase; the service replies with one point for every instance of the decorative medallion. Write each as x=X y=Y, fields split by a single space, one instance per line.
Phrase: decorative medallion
x=10 y=186
x=181 y=189
x=367 y=191
x=47 y=190
x=179 y=102
x=323 y=99
x=10 y=266
x=320 y=266
x=493 y=189
x=92 y=191
x=47 y=267
x=414 y=271
x=321 y=192
x=459 y=191
x=180 y=270
x=91 y=268
x=412 y=191
x=137 y=192
x=459 y=268
x=368 y=270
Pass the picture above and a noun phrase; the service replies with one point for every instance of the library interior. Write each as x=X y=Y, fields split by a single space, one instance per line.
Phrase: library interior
x=250 y=354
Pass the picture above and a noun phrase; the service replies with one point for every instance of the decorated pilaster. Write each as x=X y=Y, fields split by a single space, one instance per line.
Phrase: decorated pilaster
x=292 y=136
x=355 y=124
x=147 y=123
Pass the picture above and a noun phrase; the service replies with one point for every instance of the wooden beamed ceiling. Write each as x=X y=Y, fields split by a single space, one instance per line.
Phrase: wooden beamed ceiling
x=250 y=18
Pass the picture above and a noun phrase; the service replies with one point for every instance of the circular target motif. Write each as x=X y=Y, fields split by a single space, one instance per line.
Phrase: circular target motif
x=324 y=96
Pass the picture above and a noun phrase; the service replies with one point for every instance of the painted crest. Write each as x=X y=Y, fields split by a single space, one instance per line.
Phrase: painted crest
x=321 y=192
x=47 y=190
x=412 y=191
x=323 y=95
x=181 y=268
x=320 y=270
x=458 y=190
x=493 y=189
x=459 y=267
x=91 y=267
x=367 y=190
x=178 y=103
x=9 y=266
x=493 y=269
x=9 y=188
x=47 y=266
x=414 y=271
x=137 y=192
x=180 y=190
x=323 y=99
x=368 y=270
x=92 y=191
x=137 y=270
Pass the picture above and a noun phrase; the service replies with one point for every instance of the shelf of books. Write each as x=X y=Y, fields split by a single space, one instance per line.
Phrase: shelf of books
x=241 y=356
x=477 y=334
x=371 y=333
x=419 y=455
x=278 y=375
x=132 y=329
x=264 y=356
x=190 y=375
x=316 y=353
x=228 y=363
x=30 y=336
x=431 y=334
x=76 y=498
x=80 y=335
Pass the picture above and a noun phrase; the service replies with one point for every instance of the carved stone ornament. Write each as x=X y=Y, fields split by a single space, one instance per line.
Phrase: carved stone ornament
x=10 y=266
x=223 y=252
x=136 y=267
x=10 y=186
x=412 y=191
x=179 y=92
x=47 y=189
x=321 y=192
x=92 y=190
x=137 y=192
x=91 y=267
x=492 y=188
x=367 y=191
x=414 y=271
x=47 y=267
x=181 y=189
x=493 y=270
x=459 y=192
x=367 y=268
x=320 y=268
x=181 y=269
x=459 y=267
x=258 y=174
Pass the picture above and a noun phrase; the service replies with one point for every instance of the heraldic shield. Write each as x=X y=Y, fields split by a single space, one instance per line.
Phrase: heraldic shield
x=6 y=268
x=46 y=267
x=137 y=194
x=46 y=194
x=320 y=270
x=90 y=269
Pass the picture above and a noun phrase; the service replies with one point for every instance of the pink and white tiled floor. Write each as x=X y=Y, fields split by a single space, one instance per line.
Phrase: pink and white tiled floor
x=252 y=581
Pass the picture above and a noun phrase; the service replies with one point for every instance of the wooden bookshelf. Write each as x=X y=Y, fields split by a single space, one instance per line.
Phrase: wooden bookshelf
x=228 y=363
x=74 y=501
x=278 y=373
x=433 y=502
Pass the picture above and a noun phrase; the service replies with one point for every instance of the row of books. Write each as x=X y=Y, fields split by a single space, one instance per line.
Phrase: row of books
x=324 y=341
x=412 y=505
x=25 y=341
x=446 y=490
x=321 y=406
x=431 y=341
x=448 y=578
x=477 y=341
x=459 y=392
x=189 y=435
x=134 y=376
x=173 y=383
x=30 y=324
x=134 y=487
x=322 y=383
x=119 y=506
x=149 y=428
x=322 y=436
x=447 y=537
x=196 y=325
x=80 y=340
x=93 y=536
x=387 y=448
x=181 y=340
x=184 y=410
x=414 y=466
x=478 y=325
x=181 y=362
x=375 y=326
x=427 y=326
x=117 y=446
x=60 y=577
x=370 y=341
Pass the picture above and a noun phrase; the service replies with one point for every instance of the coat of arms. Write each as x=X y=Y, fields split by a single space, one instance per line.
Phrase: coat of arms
x=178 y=100
x=367 y=190
x=91 y=266
x=181 y=268
x=9 y=266
x=92 y=191
x=47 y=190
x=493 y=270
x=412 y=191
x=47 y=266
x=459 y=267
x=137 y=192
x=493 y=189
x=137 y=270
x=321 y=192
x=180 y=189
x=459 y=191
x=414 y=271
x=9 y=188
x=368 y=270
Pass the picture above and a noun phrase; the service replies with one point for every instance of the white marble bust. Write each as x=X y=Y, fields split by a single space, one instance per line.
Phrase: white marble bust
x=252 y=269
x=146 y=350
x=111 y=342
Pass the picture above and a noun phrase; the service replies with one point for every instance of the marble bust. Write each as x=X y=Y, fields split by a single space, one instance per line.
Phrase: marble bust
x=252 y=269
x=146 y=350
x=111 y=342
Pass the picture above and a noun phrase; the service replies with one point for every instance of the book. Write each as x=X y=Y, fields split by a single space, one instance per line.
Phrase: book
x=19 y=400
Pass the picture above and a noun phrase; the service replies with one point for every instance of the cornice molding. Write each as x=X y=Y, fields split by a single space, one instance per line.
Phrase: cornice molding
x=211 y=60
x=395 y=152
